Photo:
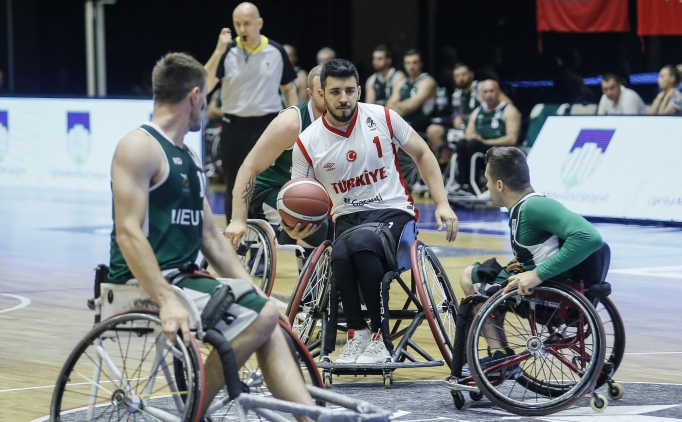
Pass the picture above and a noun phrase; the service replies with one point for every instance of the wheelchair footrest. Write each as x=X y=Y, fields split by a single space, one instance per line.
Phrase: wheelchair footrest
x=377 y=366
x=459 y=387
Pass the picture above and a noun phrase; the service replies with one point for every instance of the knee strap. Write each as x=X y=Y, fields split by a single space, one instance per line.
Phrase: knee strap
x=217 y=306
x=385 y=329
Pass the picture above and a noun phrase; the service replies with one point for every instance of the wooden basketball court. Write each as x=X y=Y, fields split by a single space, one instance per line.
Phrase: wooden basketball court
x=50 y=243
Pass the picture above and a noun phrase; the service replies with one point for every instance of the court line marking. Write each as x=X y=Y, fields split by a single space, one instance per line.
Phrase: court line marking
x=672 y=271
x=654 y=353
x=24 y=302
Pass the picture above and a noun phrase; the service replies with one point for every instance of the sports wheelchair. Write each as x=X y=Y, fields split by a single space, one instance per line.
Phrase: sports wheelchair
x=258 y=253
x=568 y=335
x=315 y=315
x=126 y=369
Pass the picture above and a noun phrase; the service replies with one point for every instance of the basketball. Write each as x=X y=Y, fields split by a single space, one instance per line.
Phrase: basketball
x=304 y=201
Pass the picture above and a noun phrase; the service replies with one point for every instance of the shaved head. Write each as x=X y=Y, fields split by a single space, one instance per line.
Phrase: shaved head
x=247 y=23
x=490 y=84
x=490 y=93
x=246 y=9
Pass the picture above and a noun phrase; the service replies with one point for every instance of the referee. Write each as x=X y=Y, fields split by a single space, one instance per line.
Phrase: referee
x=253 y=70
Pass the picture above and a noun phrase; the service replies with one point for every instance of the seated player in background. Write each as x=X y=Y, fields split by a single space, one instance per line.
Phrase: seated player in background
x=162 y=220
x=268 y=167
x=547 y=239
x=301 y=80
x=494 y=123
x=386 y=78
x=352 y=151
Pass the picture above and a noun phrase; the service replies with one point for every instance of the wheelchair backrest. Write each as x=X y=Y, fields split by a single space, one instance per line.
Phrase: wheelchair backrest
x=594 y=268
x=407 y=237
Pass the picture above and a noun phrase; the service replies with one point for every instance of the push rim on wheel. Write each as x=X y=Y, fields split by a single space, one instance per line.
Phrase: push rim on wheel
x=257 y=255
x=123 y=370
x=311 y=294
x=568 y=359
x=437 y=297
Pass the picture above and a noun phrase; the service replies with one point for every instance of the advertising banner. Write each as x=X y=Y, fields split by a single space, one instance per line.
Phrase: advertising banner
x=65 y=143
x=627 y=167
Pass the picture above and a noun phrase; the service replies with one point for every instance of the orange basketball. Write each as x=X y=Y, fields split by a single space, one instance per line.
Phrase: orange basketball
x=304 y=201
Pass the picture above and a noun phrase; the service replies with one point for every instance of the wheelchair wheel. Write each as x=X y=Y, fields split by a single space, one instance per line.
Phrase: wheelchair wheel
x=311 y=295
x=257 y=255
x=559 y=342
x=222 y=409
x=437 y=297
x=122 y=370
x=614 y=330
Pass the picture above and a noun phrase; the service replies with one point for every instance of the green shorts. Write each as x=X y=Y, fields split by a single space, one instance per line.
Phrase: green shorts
x=238 y=316
x=263 y=206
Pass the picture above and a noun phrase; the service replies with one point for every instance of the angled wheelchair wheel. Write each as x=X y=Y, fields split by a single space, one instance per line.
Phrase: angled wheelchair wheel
x=559 y=344
x=257 y=255
x=437 y=297
x=614 y=331
x=310 y=295
x=123 y=370
x=222 y=409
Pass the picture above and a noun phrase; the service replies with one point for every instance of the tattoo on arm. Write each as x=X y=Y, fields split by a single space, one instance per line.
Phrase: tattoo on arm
x=248 y=191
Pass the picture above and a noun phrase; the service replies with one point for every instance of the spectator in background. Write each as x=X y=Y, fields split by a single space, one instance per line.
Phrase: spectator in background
x=324 y=55
x=253 y=70
x=464 y=101
x=618 y=99
x=386 y=78
x=415 y=100
x=669 y=100
x=301 y=81
x=494 y=123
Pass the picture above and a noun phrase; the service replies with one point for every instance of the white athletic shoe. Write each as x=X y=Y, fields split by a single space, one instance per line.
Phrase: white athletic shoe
x=375 y=352
x=356 y=344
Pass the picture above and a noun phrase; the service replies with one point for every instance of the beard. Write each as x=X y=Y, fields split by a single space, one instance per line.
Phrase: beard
x=341 y=118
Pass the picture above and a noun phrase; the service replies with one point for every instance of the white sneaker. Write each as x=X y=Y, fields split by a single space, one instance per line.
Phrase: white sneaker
x=375 y=352
x=356 y=344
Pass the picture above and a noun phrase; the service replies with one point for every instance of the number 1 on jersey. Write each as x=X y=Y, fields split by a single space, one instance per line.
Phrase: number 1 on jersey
x=378 y=144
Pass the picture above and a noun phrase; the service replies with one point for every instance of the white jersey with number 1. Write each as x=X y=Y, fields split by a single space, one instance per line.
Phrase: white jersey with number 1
x=358 y=164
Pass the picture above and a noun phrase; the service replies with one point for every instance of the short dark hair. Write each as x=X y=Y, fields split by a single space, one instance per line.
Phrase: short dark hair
x=412 y=52
x=611 y=77
x=174 y=76
x=461 y=64
x=509 y=165
x=338 y=68
x=673 y=72
x=388 y=51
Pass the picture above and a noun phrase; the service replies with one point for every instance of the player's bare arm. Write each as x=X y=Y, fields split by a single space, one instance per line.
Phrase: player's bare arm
x=278 y=136
x=370 y=95
x=211 y=66
x=429 y=170
x=139 y=163
x=289 y=94
x=512 y=121
x=425 y=90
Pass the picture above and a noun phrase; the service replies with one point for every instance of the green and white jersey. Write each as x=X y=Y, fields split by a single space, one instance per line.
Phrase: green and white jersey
x=466 y=102
x=548 y=237
x=420 y=119
x=175 y=211
x=491 y=124
x=382 y=90
x=279 y=172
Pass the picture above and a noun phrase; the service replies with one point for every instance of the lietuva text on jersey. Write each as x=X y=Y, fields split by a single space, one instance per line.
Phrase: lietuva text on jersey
x=185 y=217
x=357 y=164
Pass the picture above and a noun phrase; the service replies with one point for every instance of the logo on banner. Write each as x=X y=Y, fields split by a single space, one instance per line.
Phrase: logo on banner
x=586 y=155
x=4 y=135
x=78 y=136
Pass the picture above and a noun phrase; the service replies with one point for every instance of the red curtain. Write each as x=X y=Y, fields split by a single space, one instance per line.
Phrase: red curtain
x=584 y=15
x=659 y=17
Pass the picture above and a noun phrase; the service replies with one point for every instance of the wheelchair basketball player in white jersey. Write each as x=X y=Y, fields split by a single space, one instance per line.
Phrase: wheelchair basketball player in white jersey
x=352 y=151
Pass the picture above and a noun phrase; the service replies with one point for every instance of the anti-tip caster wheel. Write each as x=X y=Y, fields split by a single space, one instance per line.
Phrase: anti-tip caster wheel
x=388 y=380
x=327 y=378
x=475 y=395
x=458 y=397
x=599 y=403
x=616 y=391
